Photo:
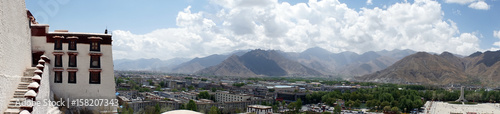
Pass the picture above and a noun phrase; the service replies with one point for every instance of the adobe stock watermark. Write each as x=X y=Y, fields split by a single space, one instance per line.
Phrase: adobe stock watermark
x=50 y=9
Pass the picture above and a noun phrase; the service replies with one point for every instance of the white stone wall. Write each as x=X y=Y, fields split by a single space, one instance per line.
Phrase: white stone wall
x=15 y=47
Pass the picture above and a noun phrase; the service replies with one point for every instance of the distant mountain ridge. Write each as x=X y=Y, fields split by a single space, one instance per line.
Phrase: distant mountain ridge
x=345 y=64
x=443 y=69
x=259 y=63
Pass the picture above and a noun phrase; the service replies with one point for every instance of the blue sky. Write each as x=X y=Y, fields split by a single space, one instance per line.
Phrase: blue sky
x=170 y=28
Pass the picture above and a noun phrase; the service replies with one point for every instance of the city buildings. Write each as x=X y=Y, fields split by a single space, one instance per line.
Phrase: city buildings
x=225 y=96
x=259 y=109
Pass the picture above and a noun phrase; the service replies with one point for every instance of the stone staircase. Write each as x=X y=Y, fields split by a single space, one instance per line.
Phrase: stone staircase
x=22 y=88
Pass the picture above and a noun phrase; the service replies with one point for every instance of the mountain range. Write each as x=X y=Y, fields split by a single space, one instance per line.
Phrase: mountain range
x=345 y=64
x=259 y=63
x=443 y=69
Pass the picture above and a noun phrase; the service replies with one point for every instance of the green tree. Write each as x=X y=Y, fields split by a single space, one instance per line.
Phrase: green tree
x=162 y=84
x=213 y=89
x=204 y=95
x=298 y=105
x=214 y=110
x=191 y=105
x=191 y=87
x=395 y=110
x=238 y=84
x=337 y=109
x=385 y=103
x=151 y=82
x=357 y=103
x=157 y=108
x=387 y=108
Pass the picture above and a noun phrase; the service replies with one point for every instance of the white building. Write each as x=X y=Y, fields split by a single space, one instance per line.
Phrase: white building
x=81 y=64
x=259 y=109
x=225 y=96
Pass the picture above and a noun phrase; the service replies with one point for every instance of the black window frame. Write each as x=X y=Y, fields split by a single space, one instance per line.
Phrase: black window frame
x=98 y=60
x=72 y=57
x=72 y=74
x=58 y=75
x=58 y=61
x=58 y=44
x=72 y=44
x=98 y=48
x=91 y=74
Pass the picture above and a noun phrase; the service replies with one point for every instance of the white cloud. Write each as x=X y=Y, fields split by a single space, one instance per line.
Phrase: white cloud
x=463 y=2
x=369 y=2
x=480 y=5
x=474 y=4
x=496 y=34
x=272 y=25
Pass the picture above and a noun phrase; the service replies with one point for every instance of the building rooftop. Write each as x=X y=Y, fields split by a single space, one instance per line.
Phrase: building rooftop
x=259 y=106
x=80 y=33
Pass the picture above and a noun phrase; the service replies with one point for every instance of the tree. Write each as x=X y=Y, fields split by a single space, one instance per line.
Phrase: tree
x=337 y=109
x=151 y=82
x=298 y=105
x=162 y=84
x=204 y=79
x=349 y=103
x=157 y=108
x=213 y=89
x=191 y=87
x=357 y=103
x=275 y=108
x=238 y=84
x=214 y=110
x=385 y=103
x=191 y=105
x=395 y=110
x=204 y=95
x=387 y=108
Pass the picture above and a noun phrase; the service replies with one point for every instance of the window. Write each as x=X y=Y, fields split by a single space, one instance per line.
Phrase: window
x=95 y=46
x=71 y=77
x=72 y=60
x=58 y=44
x=95 y=78
x=58 y=77
x=72 y=45
x=95 y=61
x=58 y=61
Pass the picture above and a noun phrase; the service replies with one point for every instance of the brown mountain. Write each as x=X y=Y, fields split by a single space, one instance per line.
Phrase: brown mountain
x=347 y=63
x=443 y=69
x=259 y=63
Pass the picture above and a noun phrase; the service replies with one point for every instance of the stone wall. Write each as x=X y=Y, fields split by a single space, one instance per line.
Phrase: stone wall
x=15 y=47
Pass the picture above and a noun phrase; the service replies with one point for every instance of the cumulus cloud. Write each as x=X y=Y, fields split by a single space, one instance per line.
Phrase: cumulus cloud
x=463 y=2
x=474 y=4
x=369 y=2
x=269 y=24
x=480 y=5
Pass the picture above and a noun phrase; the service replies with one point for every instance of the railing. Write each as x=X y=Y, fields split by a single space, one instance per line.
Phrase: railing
x=39 y=90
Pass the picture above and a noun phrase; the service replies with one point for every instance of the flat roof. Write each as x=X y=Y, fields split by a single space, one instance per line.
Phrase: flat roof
x=80 y=33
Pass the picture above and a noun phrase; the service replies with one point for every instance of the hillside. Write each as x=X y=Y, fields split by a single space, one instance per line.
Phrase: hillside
x=261 y=63
x=442 y=69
